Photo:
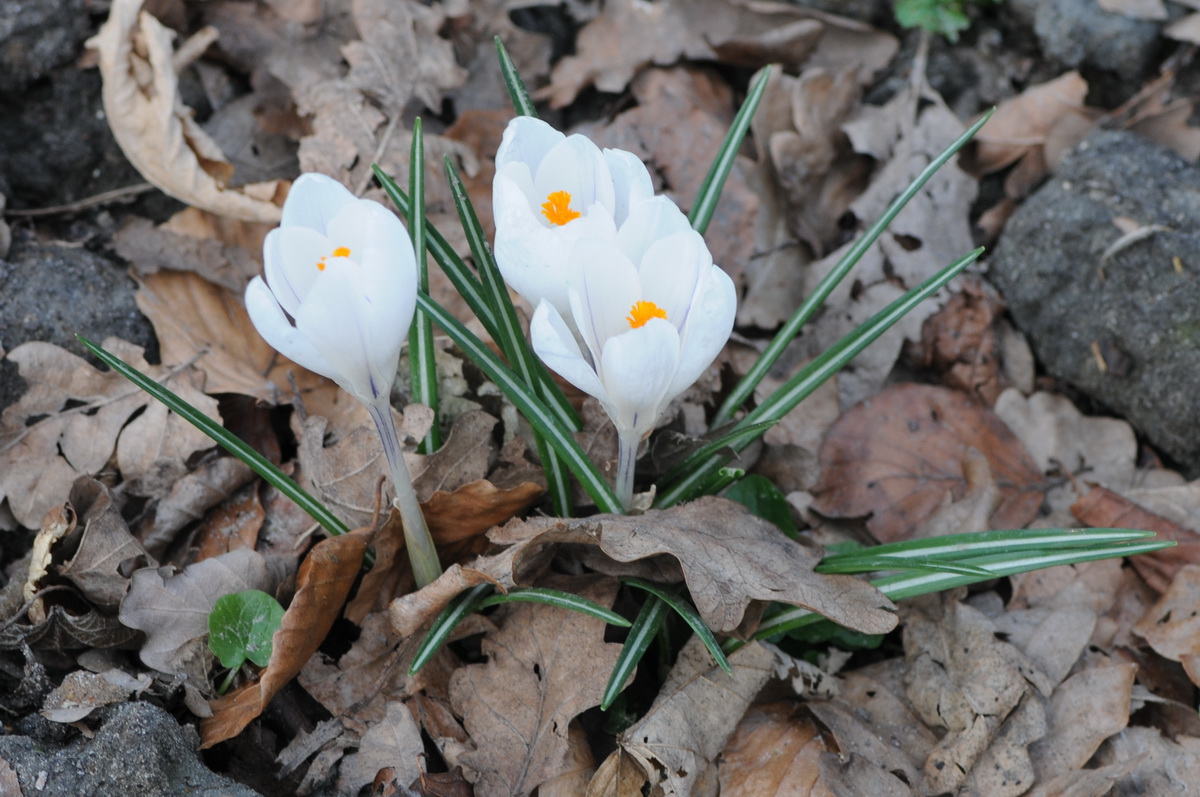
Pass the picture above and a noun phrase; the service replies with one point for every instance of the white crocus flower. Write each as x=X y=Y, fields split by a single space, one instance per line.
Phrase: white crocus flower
x=550 y=191
x=339 y=296
x=652 y=312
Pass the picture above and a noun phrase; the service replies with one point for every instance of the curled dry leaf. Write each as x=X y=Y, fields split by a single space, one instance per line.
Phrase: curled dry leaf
x=774 y=752
x=322 y=585
x=82 y=439
x=545 y=666
x=899 y=455
x=154 y=128
x=393 y=742
x=105 y=552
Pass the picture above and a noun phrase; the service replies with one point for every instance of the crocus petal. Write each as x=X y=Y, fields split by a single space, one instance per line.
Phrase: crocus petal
x=557 y=348
x=526 y=140
x=636 y=369
x=671 y=270
x=707 y=329
x=577 y=167
x=650 y=221
x=604 y=288
x=380 y=246
x=313 y=200
x=292 y=263
x=276 y=330
x=631 y=182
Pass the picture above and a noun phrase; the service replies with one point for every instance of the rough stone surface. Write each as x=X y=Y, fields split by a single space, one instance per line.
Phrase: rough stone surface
x=138 y=750
x=50 y=292
x=38 y=35
x=1134 y=310
x=1080 y=33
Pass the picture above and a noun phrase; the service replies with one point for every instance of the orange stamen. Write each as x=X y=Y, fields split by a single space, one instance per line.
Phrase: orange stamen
x=642 y=312
x=557 y=208
x=341 y=251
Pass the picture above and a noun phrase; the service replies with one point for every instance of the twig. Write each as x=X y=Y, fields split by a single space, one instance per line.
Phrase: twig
x=89 y=202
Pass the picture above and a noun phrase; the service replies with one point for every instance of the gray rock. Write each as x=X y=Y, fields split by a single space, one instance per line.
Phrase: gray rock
x=1132 y=309
x=38 y=35
x=138 y=750
x=51 y=292
x=1080 y=33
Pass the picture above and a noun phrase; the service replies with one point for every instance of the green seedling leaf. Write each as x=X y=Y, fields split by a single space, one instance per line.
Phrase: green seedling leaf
x=420 y=338
x=457 y=610
x=760 y=495
x=876 y=564
x=701 y=474
x=540 y=417
x=554 y=597
x=705 y=203
x=783 y=338
x=220 y=435
x=240 y=627
x=689 y=615
x=643 y=631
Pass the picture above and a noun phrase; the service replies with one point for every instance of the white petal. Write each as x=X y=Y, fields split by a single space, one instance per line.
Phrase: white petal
x=707 y=329
x=577 y=167
x=636 y=370
x=313 y=200
x=275 y=329
x=513 y=200
x=671 y=270
x=649 y=221
x=604 y=288
x=293 y=257
x=384 y=254
x=526 y=140
x=631 y=182
x=557 y=348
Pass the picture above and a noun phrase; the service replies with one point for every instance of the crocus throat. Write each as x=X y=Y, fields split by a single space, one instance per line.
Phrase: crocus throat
x=341 y=251
x=642 y=312
x=557 y=208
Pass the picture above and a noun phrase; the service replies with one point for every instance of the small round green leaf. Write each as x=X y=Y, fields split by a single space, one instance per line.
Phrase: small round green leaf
x=241 y=625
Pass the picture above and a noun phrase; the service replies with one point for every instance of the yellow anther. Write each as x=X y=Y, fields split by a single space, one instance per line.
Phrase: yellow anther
x=642 y=312
x=341 y=251
x=557 y=208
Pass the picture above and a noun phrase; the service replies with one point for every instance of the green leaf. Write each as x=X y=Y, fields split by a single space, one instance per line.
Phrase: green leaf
x=222 y=436
x=783 y=338
x=705 y=203
x=944 y=17
x=733 y=440
x=554 y=597
x=420 y=339
x=878 y=564
x=512 y=80
x=689 y=615
x=240 y=627
x=457 y=610
x=512 y=341
x=641 y=634
x=540 y=417
x=760 y=495
x=809 y=378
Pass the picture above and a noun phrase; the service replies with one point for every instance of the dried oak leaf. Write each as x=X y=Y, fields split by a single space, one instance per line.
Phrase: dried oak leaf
x=223 y=251
x=775 y=751
x=394 y=741
x=898 y=456
x=324 y=581
x=1172 y=627
x=105 y=553
x=154 y=128
x=677 y=743
x=151 y=449
x=545 y=667
x=173 y=608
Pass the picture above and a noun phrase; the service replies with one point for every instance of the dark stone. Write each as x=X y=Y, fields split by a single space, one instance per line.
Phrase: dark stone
x=138 y=750
x=1079 y=33
x=1133 y=310
x=50 y=292
x=37 y=36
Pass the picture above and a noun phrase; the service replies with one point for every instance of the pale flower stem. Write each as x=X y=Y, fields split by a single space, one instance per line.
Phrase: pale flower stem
x=627 y=448
x=421 y=552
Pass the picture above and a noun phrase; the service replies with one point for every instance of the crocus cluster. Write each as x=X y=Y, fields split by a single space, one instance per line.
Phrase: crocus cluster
x=629 y=306
x=339 y=296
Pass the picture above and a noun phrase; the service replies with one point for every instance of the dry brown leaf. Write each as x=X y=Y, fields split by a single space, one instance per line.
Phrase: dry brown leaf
x=324 y=581
x=581 y=766
x=81 y=692
x=1167 y=124
x=154 y=128
x=730 y=557
x=1147 y=762
x=774 y=752
x=232 y=525
x=1104 y=508
x=1086 y=709
x=545 y=666
x=1185 y=29
x=225 y=483
x=192 y=315
x=961 y=341
x=224 y=251
x=677 y=742
x=105 y=553
x=897 y=456
x=1172 y=626
x=150 y=451
x=394 y=742
x=173 y=608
